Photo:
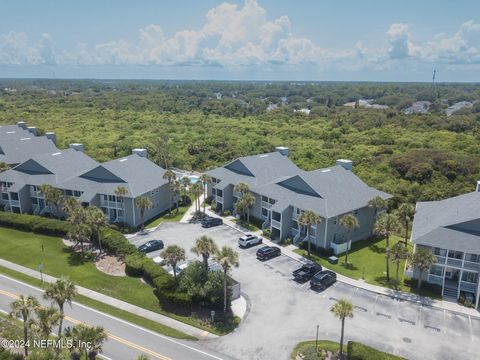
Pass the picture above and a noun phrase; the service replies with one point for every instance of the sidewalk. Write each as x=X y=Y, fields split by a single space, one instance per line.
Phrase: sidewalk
x=162 y=319
x=289 y=251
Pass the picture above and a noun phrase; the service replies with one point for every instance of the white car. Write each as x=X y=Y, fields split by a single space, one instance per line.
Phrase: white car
x=180 y=268
x=213 y=266
x=248 y=240
x=158 y=260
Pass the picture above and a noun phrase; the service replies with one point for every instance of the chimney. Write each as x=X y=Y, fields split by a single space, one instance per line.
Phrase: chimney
x=22 y=124
x=282 y=150
x=51 y=136
x=478 y=185
x=140 y=152
x=345 y=163
x=76 y=146
x=33 y=130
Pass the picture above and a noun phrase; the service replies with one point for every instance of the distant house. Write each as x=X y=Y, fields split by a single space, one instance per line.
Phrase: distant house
x=283 y=191
x=450 y=229
x=92 y=183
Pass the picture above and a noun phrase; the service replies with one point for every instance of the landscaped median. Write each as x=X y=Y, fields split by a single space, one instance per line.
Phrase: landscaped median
x=366 y=261
x=324 y=349
x=30 y=249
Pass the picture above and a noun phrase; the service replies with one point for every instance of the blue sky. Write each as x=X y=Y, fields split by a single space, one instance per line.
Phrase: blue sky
x=242 y=40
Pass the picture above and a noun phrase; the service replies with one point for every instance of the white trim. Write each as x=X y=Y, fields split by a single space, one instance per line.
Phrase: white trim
x=325 y=236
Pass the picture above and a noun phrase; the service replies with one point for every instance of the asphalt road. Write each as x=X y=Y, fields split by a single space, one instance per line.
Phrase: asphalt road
x=125 y=340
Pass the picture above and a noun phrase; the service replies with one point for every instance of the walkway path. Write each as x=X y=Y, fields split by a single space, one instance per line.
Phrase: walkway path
x=162 y=319
x=289 y=251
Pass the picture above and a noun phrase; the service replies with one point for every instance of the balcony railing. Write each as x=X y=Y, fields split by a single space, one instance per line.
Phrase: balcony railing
x=276 y=224
x=294 y=231
x=237 y=194
x=435 y=279
x=111 y=204
x=468 y=286
x=219 y=199
x=15 y=203
x=454 y=262
x=440 y=259
x=471 y=265
x=266 y=205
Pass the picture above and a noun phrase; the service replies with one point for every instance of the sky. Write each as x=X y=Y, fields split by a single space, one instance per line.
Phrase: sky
x=304 y=40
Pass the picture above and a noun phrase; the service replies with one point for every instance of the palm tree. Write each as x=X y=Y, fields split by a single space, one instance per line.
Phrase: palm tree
x=170 y=176
x=75 y=211
x=227 y=258
x=176 y=188
x=142 y=357
x=185 y=183
x=197 y=190
x=405 y=213
x=378 y=203
x=23 y=308
x=96 y=219
x=422 y=259
x=120 y=192
x=205 y=246
x=385 y=225
x=80 y=234
x=240 y=207
x=84 y=334
x=61 y=291
x=398 y=253
x=47 y=318
x=249 y=201
x=143 y=203
x=242 y=188
x=173 y=254
x=349 y=222
x=205 y=179
x=342 y=309
x=53 y=196
x=4 y=166
x=309 y=218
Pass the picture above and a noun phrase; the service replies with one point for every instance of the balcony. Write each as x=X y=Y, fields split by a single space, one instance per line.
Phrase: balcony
x=440 y=259
x=468 y=286
x=237 y=194
x=435 y=279
x=454 y=262
x=295 y=216
x=276 y=224
x=15 y=203
x=294 y=231
x=111 y=204
x=468 y=265
x=266 y=205
x=219 y=199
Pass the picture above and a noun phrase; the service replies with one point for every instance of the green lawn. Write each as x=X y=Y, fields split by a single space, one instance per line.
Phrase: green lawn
x=308 y=351
x=174 y=216
x=366 y=261
x=26 y=249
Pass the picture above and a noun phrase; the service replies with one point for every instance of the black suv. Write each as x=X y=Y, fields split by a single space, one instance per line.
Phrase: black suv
x=306 y=272
x=323 y=279
x=150 y=246
x=211 y=221
x=268 y=252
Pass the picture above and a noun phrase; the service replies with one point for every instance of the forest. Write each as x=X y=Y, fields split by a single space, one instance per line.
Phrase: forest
x=425 y=155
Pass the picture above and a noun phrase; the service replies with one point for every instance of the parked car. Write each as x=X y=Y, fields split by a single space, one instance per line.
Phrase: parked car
x=306 y=272
x=323 y=279
x=150 y=246
x=268 y=252
x=213 y=266
x=180 y=268
x=159 y=260
x=248 y=240
x=211 y=221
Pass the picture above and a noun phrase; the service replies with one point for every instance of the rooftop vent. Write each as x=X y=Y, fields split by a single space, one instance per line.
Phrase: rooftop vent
x=76 y=146
x=282 y=150
x=51 y=136
x=345 y=163
x=22 y=124
x=33 y=130
x=140 y=152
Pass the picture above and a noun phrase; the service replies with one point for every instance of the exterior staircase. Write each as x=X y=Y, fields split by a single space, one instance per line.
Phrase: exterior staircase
x=266 y=224
x=450 y=293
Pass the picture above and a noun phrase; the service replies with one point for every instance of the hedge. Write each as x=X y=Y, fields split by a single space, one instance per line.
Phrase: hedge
x=151 y=270
x=358 y=351
x=33 y=223
x=134 y=264
x=115 y=243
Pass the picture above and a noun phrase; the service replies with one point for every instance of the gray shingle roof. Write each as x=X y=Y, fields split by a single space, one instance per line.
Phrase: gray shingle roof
x=19 y=149
x=329 y=192
x=452 y=223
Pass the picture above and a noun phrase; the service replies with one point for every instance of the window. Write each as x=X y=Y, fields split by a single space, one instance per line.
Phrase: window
x=355 y=212
x=455 y=254
x=439 y=251
x=68 y=192
x=77 y=193
x=470 y=277
x=105 y=197
x=5 y=196
x=472 y=257
x=335 y=221
x=436 y=270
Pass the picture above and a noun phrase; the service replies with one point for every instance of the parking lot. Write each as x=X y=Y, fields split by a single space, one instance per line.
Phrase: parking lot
x=282 y=312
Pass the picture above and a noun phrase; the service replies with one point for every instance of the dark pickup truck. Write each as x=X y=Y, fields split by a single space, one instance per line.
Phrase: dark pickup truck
x=306 y=272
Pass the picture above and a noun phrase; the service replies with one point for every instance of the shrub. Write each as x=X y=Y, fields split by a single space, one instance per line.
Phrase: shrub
x=152 y=270
x=227 y=213
x=134 y=264
x=115 y=243
x=33 y=223
x=357 y=351
x=267 y=233
x=325 y=252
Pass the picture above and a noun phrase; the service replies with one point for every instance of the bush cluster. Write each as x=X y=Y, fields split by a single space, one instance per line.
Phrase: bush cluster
x=114 y=242
x=32 y=223
x=358 y=351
